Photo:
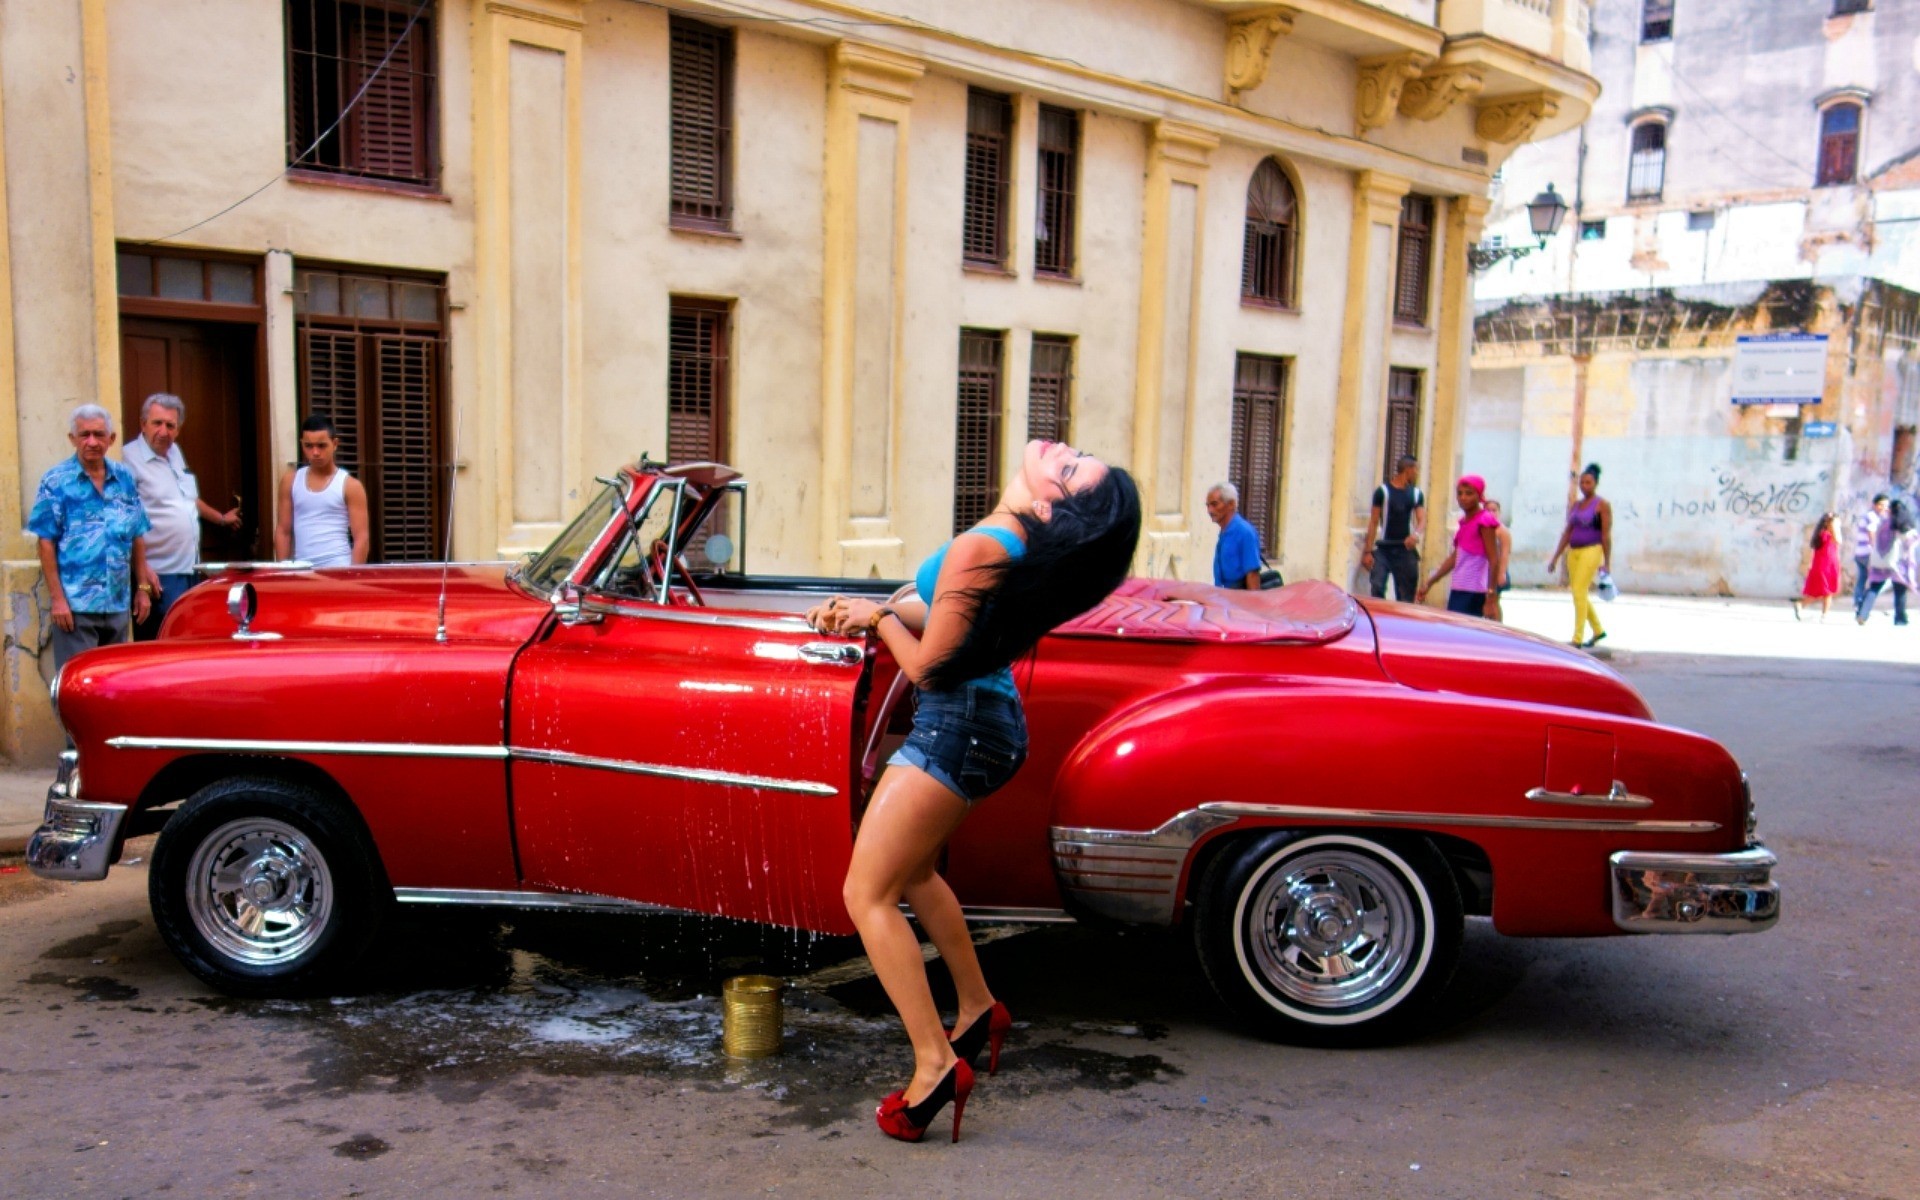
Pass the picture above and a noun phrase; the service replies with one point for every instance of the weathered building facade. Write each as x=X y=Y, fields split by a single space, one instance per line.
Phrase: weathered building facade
x=860 y=252
x=1751 y=170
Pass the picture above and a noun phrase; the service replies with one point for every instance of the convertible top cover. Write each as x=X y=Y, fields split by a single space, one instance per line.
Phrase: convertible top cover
x=1167 y=610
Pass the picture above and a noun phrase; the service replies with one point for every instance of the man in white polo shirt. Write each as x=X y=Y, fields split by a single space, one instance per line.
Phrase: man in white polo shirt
x=171 y=497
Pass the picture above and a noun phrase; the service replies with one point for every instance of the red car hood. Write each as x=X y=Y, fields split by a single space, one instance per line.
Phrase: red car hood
x=1441 y=652
x=361 y=602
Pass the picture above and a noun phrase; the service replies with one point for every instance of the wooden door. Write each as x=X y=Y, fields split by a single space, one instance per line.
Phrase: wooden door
x=211 y=366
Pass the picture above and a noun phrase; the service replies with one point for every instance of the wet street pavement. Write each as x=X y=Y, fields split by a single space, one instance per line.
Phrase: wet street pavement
x=579 y=1055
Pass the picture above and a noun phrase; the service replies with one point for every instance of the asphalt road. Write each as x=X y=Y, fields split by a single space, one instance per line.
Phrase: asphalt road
x=579 y=1056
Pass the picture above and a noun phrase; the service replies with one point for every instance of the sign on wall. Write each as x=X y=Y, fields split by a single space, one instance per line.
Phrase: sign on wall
x=1779 y=368
x=1819 y=429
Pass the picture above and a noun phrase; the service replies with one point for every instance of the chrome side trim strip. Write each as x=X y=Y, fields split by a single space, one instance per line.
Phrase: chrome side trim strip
x=654 y=612
x=553 y=901
x=433 y=750
x=1375 y=816
x=695 y=774
x=987 y=915
x=364 y=749
x=1617 y=797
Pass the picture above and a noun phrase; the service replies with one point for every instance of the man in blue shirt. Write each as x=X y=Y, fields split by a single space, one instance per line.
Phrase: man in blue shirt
x=90 y=522
x=1236 y=557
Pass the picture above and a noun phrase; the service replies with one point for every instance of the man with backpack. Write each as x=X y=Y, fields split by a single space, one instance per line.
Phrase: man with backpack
x=1399 y=518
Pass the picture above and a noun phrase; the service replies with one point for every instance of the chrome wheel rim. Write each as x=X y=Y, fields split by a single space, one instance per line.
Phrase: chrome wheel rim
x=259 y=891
x=1332 y=929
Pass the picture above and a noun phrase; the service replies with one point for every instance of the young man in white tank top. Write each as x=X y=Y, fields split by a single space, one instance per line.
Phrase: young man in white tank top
x=322 y=517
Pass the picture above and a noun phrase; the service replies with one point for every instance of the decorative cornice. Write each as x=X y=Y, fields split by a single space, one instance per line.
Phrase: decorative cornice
x=1179 y=142
x=1858 y=95
x=1378 y=194
x=859 y=67
x=1377 y=94
x=567 y=14
x=1514 y=118
x=1439 y=88
x=1250 y=39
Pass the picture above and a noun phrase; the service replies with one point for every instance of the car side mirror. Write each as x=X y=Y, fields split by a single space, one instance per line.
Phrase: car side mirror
x=719 y=550
x=567 y=606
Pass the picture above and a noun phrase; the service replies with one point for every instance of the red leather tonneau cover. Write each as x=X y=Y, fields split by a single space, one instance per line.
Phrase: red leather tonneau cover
x=1168 y=610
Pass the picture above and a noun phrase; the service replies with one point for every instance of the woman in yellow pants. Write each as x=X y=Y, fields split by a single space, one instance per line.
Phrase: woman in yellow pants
x=1587 y=541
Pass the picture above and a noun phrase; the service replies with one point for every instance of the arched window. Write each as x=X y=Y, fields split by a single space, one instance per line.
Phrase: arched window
x=1839 y=145
x=1647 y=163
x=1266 y=265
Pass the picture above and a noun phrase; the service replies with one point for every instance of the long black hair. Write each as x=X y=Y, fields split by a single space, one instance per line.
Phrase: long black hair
x=1902 y=517
x=1073 y=560
x=1823 y=525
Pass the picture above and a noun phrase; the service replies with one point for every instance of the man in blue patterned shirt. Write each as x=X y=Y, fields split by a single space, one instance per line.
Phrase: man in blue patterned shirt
x=90 y=523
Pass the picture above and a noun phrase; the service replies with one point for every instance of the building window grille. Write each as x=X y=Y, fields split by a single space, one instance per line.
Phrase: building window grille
x=701 y=118
x=1403 y=418
x=1267 y=255
x=1416 y=260
x=1656 y=20
x=1839 y=145
x=1647 y=163
x=696 y=380
x=1256 y=450
x=976 y=441
x=371 y=349
x=1050 y=389
x=361 y=92
x=983 y=238
x=1059 y=175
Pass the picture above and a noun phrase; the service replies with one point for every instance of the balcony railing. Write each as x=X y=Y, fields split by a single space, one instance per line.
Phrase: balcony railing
x=1555 y=29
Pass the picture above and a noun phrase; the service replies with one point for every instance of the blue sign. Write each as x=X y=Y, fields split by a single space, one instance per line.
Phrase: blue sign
x=1779 y=368
x=1819 y=429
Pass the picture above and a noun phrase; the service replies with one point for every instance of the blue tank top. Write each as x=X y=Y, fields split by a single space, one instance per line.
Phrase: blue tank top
x=927 y=578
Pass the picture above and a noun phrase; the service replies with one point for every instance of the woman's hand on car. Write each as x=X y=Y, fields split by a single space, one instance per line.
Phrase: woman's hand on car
x=843 y=615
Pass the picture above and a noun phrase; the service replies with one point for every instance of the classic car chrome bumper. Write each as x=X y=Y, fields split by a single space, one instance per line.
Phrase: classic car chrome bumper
x=1695 y=893
x=76 y=838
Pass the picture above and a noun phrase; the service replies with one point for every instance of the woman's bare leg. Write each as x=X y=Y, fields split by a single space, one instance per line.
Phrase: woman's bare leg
x=939 y=913
x=910 y=816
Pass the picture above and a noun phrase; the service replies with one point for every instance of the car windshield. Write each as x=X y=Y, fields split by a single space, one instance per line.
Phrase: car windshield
x=556 y=562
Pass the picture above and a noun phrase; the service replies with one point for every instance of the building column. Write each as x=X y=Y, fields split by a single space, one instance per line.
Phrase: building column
x=56 y=247
x=1169 y=322
x=527 y=292
x=869 y=102
x=1452 y=372
x=1363 y=356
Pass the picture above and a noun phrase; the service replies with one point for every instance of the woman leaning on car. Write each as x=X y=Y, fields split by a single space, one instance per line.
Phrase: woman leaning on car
x=1057 y=543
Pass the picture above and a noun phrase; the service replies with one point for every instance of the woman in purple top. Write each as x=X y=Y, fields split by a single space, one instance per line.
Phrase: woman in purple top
x=1476 y=547
x=1587 y=541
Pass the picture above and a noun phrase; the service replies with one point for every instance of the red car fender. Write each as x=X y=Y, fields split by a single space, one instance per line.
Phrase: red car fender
x=1471 y=773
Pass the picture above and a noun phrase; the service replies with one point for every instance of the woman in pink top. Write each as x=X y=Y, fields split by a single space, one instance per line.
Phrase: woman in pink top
x=1476 y=547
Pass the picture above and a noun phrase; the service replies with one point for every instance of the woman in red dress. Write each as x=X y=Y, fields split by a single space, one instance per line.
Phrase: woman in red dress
x=1823 y=577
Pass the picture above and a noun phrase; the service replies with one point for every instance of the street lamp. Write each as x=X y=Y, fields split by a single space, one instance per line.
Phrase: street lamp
x=1544 y=213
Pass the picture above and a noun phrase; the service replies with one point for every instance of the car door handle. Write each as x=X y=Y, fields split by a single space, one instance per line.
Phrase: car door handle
x=844 y=654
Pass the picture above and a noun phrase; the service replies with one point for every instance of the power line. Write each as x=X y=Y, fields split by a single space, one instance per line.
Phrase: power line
x=326 y=133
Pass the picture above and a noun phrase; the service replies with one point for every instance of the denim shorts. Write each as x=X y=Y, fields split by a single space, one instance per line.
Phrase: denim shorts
x=969 y=739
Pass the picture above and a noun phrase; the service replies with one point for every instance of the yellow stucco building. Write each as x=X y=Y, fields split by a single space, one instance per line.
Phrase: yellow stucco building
x=861 y=252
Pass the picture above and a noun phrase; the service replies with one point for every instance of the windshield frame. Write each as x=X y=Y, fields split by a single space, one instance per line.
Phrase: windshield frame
x=586 y=532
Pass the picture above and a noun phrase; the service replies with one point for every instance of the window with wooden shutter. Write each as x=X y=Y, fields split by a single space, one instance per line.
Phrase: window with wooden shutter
x=977 y=416
x=1839 y=145
x=361 y=89
x=1059 y=175
x=1403 y=418
x=1656 y=20
x=1647 y=162
x=1416 y=260
x=983 y=236
x=372 y=359
x=1256 y=451
x=696 y=381
x=701 y=107
x=1050 y=388
x=1266 y=261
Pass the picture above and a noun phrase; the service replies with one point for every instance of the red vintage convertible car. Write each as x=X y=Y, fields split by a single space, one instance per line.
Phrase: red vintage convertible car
x=1319 y=789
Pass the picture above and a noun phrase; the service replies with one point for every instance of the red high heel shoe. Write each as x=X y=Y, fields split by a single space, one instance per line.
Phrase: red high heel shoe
x=908 y=1122
x=988 y=1030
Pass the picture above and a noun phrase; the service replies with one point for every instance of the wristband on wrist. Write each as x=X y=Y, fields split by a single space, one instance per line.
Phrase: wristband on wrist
x=879 y=614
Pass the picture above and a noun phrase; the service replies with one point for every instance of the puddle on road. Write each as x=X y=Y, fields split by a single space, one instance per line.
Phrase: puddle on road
x=473 y=1006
